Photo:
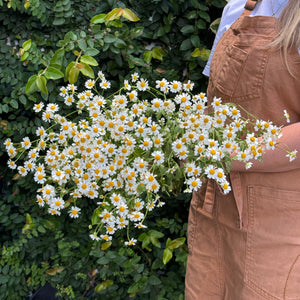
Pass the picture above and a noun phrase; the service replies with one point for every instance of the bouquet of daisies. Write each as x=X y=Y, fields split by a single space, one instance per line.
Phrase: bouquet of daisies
x=127 y=146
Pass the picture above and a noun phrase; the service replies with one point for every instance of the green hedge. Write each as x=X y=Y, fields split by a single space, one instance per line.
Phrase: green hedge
x=171 y=40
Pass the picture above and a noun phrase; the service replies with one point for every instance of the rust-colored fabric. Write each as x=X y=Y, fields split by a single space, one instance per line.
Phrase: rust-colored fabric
x=246 y=245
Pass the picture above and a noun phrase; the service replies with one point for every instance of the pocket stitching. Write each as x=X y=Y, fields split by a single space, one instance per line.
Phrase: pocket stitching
x=249 y=253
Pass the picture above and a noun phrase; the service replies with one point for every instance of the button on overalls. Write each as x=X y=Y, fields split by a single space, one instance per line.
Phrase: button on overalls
x=246 y=245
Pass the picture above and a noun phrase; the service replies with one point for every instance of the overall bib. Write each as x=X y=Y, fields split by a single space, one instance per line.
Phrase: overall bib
x=246 y=245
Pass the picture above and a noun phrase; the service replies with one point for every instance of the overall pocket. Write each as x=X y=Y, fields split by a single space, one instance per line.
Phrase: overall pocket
x=272 y=266
x=237 y=69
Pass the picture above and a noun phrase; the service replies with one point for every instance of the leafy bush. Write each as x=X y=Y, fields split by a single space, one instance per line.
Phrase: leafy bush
x=171 y=40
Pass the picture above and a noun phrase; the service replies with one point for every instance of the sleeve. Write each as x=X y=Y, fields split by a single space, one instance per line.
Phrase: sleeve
x=231 y=12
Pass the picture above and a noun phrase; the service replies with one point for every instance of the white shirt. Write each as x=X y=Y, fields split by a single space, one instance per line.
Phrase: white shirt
x=234 y=9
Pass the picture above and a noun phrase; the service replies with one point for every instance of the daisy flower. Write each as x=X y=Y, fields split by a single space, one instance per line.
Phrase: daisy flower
x=69 y=99
x=142 y=85
x=63 y=91
x=287 y=116
x=131 y=242
x=132 y=95
x=101 y=75
x=188 y=86
x=136 y=216
x=89 y=84
x=175 y=86
x=162 y=85
x=38 y=107
x=11 y=164
x=134 y=77
x=104 y=84
x=158 y=157
x=26 y=143
x=22 y=171
x=104 y=237
x=74 y=212
x=292 y=155
x=194 y=183
x=127 y=85
x=53 y=211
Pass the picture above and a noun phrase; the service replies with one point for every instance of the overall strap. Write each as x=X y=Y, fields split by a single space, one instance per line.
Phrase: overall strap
x=249 y=6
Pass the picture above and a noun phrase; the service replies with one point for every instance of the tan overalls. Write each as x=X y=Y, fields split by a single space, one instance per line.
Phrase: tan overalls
x=246 y=244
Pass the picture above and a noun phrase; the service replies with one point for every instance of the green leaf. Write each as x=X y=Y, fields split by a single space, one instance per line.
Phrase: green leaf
x=158 y=53
x=58 y=57
x=128 y=14
x=203 y=54
x=31 y=85
x=23 y=99
x=119 y=43
x=215 y=25
x=155 y=241
x=154 y=280
x=91 y=51
x=109 y=38
x=53 y=272
x=87 y=71
x=114 y=14
x=185 y=45
x=82 y=45
x=146 y=241
x=115 y=23
x=167 y=255
x=41 y=229
x=53 y=73
x=105 y=245
x=26 y=45
x=103 y=285
x=88 y=60
x=148 y=56
x=58 y=21
x=201 y=24
x=176 y=243
x=195 y=41
x=41 y=83
x=14 y=103
x=73 y=74
x=98 y=19
x=68 y=68
x=187 y=29
x=156 y=233
x=24 y=56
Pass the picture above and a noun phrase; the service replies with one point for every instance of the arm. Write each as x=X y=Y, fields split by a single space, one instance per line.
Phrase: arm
x=275 y=160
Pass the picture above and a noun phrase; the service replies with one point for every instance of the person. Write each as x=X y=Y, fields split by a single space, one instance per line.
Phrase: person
x=245 y=245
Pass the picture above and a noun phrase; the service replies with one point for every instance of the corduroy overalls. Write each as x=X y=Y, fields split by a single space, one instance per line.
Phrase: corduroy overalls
x=246 y=245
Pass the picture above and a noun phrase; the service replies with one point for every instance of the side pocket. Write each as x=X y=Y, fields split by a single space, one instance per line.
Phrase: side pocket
x=273 y=243
x=292 y=286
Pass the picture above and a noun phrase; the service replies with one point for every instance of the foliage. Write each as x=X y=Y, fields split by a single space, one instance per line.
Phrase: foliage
x=36 y=248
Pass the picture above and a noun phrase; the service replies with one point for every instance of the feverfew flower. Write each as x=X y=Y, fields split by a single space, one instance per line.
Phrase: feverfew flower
x=142 y=85
x=292 y=155
x=158 y=157
x=89 y=84
x=287 y=116
x=134 y=77
x=194 y=183
x=175 y=86
x=127 y=85
x=162 y=85
x=131 y=242
x=188 y=86
x=74 y=212
x=38 y=107
x=104 y=84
